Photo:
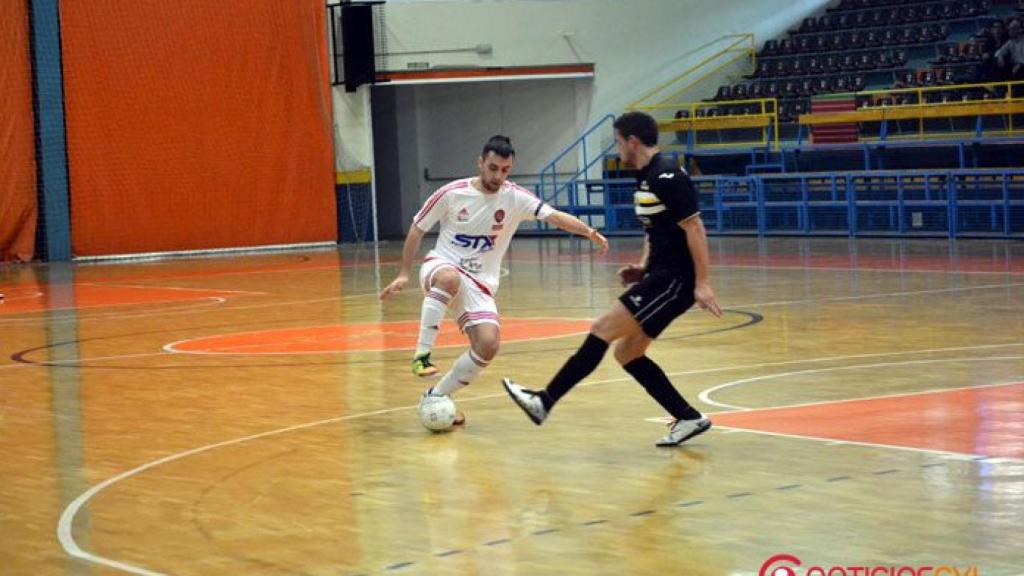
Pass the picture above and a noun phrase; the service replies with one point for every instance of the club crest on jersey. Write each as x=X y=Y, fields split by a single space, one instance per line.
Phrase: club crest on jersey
x=475 y=242
x=499 y=216
x=463 y=215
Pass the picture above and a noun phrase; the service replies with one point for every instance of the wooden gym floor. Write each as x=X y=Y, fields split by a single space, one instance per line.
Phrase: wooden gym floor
x=256 y=415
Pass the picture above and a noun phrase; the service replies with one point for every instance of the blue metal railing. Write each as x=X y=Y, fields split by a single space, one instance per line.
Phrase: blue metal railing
x=548 y=188
x=937 y=203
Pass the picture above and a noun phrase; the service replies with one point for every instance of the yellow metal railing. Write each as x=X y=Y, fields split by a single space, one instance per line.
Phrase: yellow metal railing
x=739 y=46
x=766 y=118
x=666 y=99
x=1007 y=105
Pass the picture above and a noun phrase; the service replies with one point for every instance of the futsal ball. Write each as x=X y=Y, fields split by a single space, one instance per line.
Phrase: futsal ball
x=437 y=413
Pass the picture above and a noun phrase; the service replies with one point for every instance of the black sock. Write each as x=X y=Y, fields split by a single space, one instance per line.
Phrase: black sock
x=657 y=384
x=576 y=368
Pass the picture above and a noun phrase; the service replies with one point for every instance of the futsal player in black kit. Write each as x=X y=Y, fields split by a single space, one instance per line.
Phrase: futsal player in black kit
x=672 y=275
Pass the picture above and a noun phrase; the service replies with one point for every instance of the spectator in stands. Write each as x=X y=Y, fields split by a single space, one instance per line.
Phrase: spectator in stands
x=981 y=48
x=927 y=35
x=681 y=135
x=997 y=32
x=949 y=53
x=1010 y=56
x=907 y=80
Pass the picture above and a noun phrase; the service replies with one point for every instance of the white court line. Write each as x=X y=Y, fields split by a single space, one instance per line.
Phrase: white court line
x=67 y=518
x=837 y=442
x=859 y=269
x=64 y=527
x=76 y=311
x=175 y=312
x=962 y=456
x=74 y=315
x=29 y=296
x=154 y=287
x=883 y=295
x=705 y=395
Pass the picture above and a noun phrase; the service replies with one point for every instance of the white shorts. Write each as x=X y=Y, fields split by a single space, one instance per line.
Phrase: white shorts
x=474 y=303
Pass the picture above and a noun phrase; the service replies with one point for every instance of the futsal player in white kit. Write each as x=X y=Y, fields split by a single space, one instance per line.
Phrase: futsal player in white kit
x=478 y=217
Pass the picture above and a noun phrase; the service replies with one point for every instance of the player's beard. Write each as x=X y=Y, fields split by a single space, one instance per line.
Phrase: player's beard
x=490 y=185
x=627 y=159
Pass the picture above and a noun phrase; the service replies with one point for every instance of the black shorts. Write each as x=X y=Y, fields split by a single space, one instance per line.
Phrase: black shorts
x=657 y=300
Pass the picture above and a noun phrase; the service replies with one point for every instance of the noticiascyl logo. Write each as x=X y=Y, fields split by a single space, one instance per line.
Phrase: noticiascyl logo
x=779 y=565
x=775 y=566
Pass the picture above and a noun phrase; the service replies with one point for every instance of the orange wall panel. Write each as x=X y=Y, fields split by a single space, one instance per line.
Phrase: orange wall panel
x=18 y=207
x=196 y=124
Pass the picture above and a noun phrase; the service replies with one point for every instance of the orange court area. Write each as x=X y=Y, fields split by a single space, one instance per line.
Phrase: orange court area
x=981 y=421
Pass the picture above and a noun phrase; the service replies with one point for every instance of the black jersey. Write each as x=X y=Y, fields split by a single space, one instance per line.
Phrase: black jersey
x=665 y=196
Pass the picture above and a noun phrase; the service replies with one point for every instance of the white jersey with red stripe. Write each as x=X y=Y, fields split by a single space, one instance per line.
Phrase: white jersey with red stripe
x=476 y=227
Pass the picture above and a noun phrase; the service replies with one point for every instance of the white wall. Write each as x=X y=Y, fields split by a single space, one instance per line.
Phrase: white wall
x=539 y=116
x=634 y=45
x=351 y=130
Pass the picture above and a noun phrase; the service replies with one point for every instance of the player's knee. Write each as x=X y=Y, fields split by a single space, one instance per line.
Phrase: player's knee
x=448 y=281
x=601 y=328
x=624 y=354
x=487 y=348
x=627 y=350
x=606 y=328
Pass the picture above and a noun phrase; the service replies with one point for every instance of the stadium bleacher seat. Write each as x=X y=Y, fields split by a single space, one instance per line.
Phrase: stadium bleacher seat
x=862 y=42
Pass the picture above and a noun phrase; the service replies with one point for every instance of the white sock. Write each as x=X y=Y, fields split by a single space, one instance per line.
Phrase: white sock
x=435 y=305
x=465 y=370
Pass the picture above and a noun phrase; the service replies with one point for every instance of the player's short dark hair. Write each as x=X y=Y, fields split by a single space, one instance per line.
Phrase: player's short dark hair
x=638 y=124
x=500 y=145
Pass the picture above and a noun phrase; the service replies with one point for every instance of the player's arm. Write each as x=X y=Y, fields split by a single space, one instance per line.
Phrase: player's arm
x=430 y=213
x=697 y=240
x=574 y=225
x=409 y=250
x=680 y=198
x=646 y=255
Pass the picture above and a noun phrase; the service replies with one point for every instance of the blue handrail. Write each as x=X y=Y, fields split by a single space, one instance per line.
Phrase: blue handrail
x=987 y=202
x=551 y=179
